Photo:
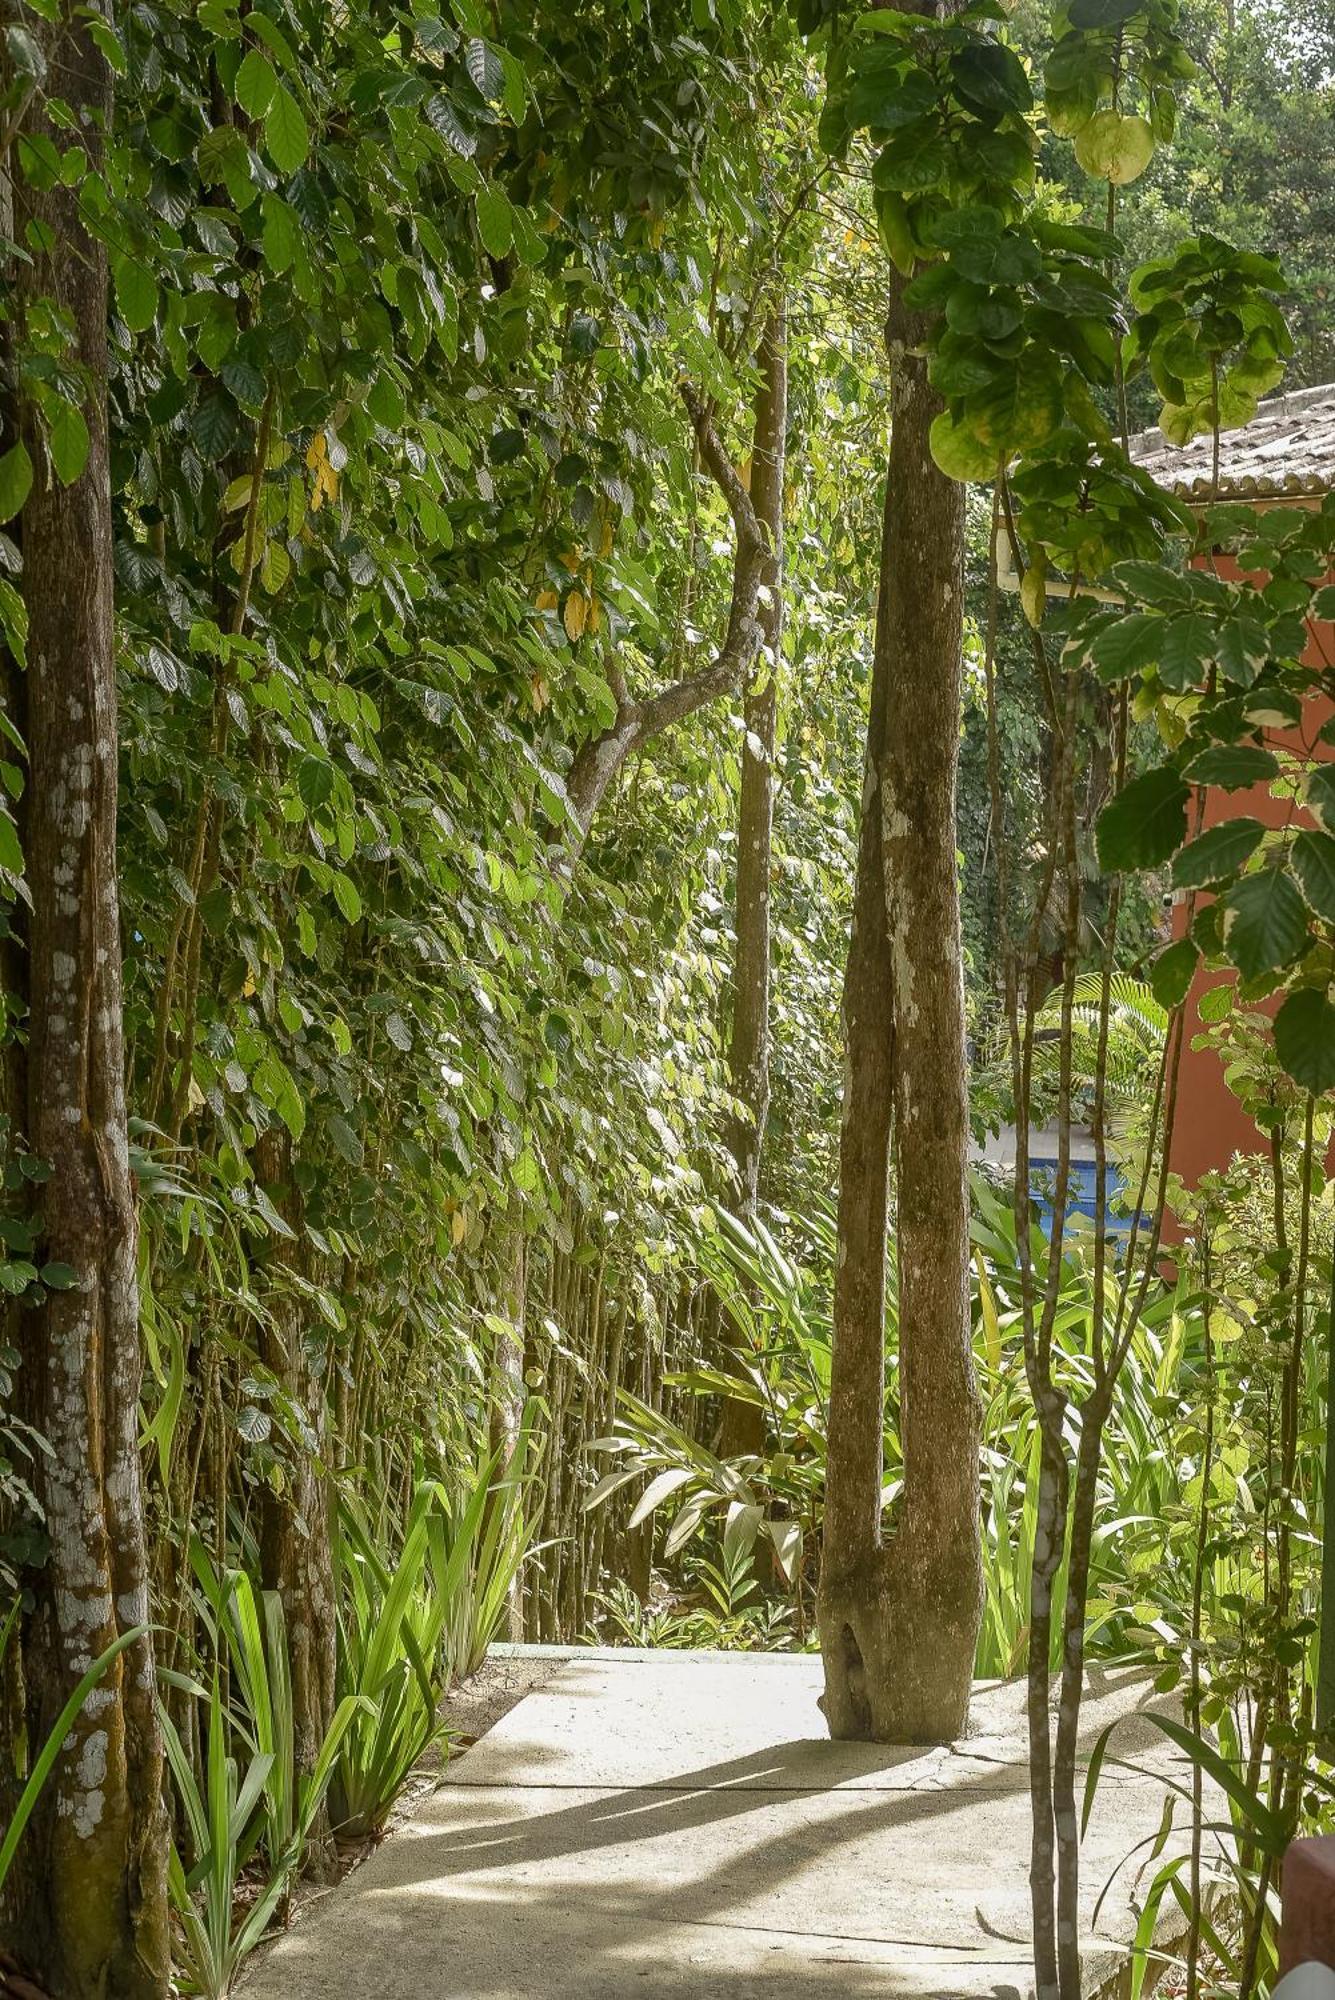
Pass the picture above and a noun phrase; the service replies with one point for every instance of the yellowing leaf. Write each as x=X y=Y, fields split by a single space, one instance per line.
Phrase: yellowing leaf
x=576 y=612
x=1115 y=148
x=547 y=600
x=317 y=451
x=458 y=1225
x=1034 y=591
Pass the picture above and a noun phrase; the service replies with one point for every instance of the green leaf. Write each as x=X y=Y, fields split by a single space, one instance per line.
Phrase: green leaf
x=1102 y=13
x=15 y=480
x=445 y=120
x=345 y=1140
x=1242 y=646
x=67 y=439
x=1305 y=1040
x=11 y=851
x=958 y=452
x=1145 y=823
x=989 y=77
x=214 y=426
x=1320 y=794
x=494 y=222
x=1185 y=650
x=1022 y=407
x=1265 y=922
x=1314 y=865
x=273 y=1083
x=281 y=236
x=285 y=134
x=1167 y=589
x=1219 y=853
x=345 y=895
x=255 y=84
x=1128 y=646
x=485 y=68
x=136 y=292
x=1172 y=972
x=315 y=781
x=1231 y=766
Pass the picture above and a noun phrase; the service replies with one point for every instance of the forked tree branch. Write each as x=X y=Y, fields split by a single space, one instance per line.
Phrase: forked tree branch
x=598 y=761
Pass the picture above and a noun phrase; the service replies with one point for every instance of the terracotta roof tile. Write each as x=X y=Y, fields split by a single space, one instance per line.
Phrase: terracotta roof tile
x=1286 y=451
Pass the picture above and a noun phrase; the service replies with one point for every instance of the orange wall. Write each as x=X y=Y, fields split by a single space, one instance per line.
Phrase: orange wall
x=1210 y=1127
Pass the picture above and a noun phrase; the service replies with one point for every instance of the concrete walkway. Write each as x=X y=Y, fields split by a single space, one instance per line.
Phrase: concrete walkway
x=672 y=1824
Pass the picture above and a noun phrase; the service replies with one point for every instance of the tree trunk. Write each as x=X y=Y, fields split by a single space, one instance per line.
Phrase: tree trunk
x=91 y=1914
x=295 y=1555
x=899 y=1618
x=749 y=1045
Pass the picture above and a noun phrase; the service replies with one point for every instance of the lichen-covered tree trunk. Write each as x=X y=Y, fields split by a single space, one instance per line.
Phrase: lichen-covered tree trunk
x=899 y=1617
x=91 y=1918
x=749 y=1043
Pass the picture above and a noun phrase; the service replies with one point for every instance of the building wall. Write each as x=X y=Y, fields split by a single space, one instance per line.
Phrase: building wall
x=1210 y=1126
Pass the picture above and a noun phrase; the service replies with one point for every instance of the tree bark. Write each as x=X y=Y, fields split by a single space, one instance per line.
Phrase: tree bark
x=749 y=1043
x=899 y=1618
x=92 y=1906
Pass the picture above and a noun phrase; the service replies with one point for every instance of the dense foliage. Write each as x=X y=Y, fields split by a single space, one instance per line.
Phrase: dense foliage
x=433 y=375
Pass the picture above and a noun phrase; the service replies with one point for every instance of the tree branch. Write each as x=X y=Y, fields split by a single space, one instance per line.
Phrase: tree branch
x=637 y=723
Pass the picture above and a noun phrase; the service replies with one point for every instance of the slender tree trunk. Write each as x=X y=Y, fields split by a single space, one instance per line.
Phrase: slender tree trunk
x=899 y=1619
x=508 y=1390
x=749 y=1045
x=295 y=1552
x=92 y=1915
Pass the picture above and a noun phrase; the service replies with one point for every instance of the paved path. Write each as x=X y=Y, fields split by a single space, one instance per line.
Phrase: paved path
x=672 y=1824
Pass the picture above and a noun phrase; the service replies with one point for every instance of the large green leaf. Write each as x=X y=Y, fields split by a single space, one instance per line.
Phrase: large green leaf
x=1305 y=1040
x=67 y=438
x=1173 y=971
x=1185 y=651
x=495 y=224
x=1232 y=766
x=255 y=83
x=1265 y=922
x=285 y=135
x=1145 y=823
x=1320 y=794
x=15 y=480
x=1218 y=854
x=1314 y=864
x=1128 y=646
x=136 y=292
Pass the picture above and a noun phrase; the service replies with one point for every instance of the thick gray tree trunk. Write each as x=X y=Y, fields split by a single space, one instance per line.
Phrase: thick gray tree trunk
x=899 y=1617
x=92 y=1907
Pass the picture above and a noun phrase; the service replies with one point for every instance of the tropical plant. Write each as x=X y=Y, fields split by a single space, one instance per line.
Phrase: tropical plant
x=227 y=1817
x=391 y=1661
